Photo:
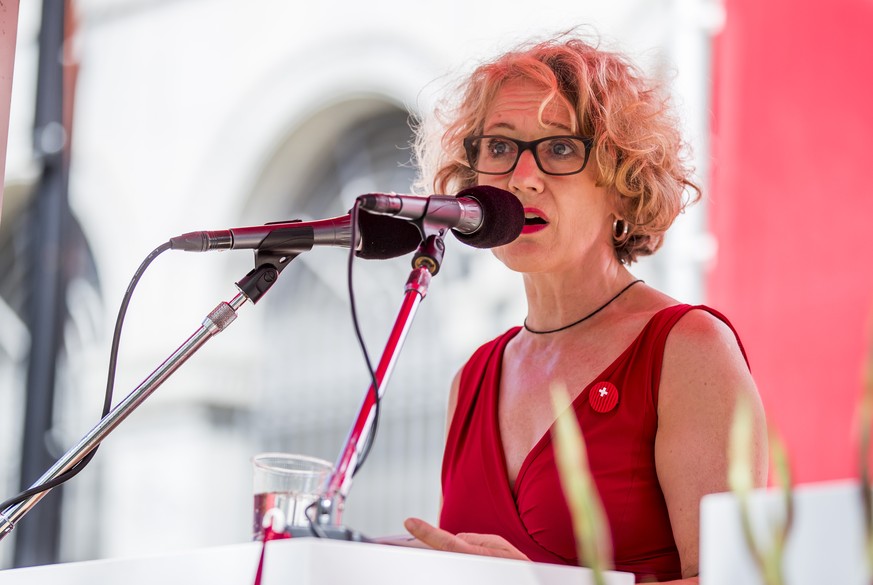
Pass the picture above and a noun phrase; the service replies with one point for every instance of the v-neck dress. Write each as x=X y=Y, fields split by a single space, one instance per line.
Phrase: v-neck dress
x=620 y=436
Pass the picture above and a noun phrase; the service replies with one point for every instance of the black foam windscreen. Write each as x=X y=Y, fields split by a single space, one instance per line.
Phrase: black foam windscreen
x=384 y=237
x=502 y=217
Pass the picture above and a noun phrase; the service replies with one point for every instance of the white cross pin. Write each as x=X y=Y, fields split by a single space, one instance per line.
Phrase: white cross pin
x=604 y=391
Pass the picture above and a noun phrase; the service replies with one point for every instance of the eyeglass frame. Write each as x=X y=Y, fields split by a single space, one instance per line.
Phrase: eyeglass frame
x=524 y=145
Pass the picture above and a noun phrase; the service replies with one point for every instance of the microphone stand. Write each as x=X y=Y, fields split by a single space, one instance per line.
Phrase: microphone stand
x=251 y=287
x=329 y=506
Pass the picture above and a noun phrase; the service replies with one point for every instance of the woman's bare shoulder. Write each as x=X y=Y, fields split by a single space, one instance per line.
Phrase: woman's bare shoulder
x=700 y=336
x=703 y=361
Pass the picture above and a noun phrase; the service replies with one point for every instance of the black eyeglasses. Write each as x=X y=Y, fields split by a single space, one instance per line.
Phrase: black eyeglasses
x=555 y=155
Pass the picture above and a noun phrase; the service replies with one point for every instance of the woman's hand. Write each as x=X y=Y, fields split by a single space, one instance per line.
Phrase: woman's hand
x=489 y=545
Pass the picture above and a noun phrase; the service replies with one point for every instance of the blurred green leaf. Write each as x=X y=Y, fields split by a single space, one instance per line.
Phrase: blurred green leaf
x=741 y=481
x=865 y=421
x=593 y=539
x=740 y=478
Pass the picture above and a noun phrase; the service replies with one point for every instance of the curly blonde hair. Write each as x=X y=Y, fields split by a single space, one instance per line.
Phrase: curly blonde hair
x=638 y=149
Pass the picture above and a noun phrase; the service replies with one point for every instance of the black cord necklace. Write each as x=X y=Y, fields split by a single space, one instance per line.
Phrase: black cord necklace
x=586 y=317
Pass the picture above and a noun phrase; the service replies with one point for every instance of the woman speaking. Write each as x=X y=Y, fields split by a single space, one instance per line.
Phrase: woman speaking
x=592 y=151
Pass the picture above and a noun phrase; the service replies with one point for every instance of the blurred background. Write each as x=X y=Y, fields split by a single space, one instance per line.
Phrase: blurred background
x=183 y=115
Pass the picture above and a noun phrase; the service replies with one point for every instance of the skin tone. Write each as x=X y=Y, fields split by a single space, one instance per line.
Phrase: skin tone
x=570 y=269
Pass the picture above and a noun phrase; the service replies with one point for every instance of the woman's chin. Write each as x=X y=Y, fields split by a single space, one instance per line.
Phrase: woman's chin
x=522 y=258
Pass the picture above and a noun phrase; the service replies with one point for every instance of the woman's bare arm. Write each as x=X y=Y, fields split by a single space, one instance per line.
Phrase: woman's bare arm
x=703 y=375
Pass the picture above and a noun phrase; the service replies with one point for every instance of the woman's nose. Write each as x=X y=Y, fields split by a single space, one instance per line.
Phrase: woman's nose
x=527 y=175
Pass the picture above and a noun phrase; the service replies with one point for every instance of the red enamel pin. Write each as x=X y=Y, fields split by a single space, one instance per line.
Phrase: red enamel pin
x=603 y=396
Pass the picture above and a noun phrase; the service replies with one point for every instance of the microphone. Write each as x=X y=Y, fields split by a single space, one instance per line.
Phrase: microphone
x=482 y=216
x=380 y=237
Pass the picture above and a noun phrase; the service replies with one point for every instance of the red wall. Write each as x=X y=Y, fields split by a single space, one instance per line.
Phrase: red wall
x=791 y=204
x=8 y=33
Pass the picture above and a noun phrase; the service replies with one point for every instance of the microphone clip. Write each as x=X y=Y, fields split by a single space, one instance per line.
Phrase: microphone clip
x=430 y=253
x=268 y=265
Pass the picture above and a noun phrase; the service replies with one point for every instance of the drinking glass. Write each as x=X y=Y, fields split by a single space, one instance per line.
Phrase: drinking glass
x=285 y=485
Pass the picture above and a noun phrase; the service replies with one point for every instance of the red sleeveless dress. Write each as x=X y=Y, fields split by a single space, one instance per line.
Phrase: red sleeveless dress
x=533 y=515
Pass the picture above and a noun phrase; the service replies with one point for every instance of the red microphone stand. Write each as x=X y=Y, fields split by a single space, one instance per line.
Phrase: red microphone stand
x=326 y=522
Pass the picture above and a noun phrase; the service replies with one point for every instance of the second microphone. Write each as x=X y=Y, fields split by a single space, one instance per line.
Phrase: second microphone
x=481 y=216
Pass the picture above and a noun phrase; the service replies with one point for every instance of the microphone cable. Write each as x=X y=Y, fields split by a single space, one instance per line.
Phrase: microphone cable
x=314 y=528
x=374 y=382
x=110 y=385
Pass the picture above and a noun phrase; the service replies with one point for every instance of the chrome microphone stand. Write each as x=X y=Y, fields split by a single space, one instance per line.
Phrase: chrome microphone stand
x=251 y=287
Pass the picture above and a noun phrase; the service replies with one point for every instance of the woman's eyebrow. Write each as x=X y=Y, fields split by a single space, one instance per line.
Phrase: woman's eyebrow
x=511 y=126
x=499 y=126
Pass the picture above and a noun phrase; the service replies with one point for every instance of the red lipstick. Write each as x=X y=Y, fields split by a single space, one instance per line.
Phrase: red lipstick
x=534 y=220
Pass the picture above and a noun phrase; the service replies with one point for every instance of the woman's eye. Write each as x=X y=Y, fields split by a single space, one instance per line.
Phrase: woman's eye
x=561 y=148
x=498 y=148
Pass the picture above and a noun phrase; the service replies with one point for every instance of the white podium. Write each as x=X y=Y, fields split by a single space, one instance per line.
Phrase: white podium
x=825 y=545
x=308 y=561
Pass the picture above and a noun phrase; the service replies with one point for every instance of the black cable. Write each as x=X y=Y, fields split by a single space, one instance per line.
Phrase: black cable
x=374 y=382
x=314 y=528
x=110 y=384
